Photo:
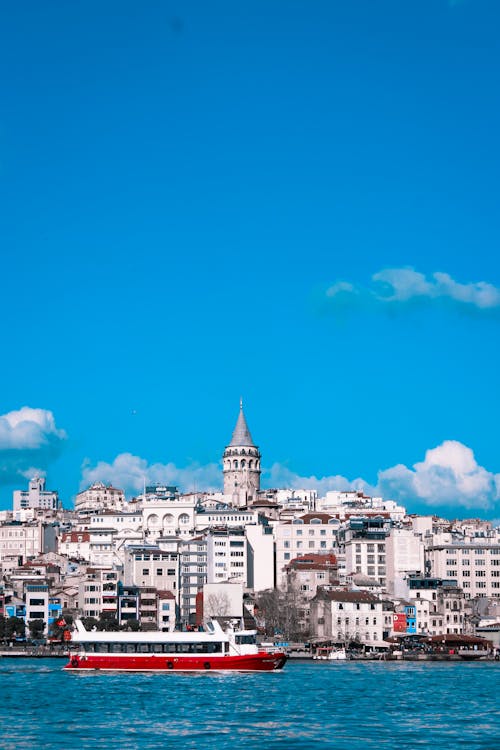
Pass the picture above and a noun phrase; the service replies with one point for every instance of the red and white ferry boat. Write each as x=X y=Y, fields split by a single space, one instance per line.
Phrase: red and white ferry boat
x=157 y=651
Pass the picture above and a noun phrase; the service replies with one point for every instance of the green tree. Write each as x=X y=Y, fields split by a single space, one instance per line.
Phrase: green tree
x=36 y=628
x=133 y=625
x=15 y=627
x=108 y=622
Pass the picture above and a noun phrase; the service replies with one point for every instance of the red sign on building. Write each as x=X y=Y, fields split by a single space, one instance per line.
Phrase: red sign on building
x=399 y=622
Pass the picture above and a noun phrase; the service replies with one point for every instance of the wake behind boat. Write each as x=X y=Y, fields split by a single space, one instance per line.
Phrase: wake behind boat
x=157 y=651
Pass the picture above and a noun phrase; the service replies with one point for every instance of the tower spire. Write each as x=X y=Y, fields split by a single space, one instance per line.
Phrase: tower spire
x=241 y=461
x=241 y=433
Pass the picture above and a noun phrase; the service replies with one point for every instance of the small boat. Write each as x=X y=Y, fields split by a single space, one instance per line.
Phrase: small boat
x=212 y=649
x=330 y=654
x=338 y=654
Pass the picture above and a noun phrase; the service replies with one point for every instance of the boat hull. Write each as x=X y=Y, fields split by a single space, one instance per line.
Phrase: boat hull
x=261 y=662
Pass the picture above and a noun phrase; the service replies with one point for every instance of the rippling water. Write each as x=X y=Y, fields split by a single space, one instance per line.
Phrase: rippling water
x=307 y=705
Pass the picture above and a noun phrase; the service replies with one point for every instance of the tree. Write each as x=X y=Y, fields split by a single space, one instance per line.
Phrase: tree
x=90 y=623
x=15 y=627
x=108 y=621
x=217 y=605
x=132 y=625
x=278 y=613
x=36 y=628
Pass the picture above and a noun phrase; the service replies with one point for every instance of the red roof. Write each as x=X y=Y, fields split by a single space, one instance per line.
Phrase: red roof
x=165 y=595
x=313 y=562
x=76 y=536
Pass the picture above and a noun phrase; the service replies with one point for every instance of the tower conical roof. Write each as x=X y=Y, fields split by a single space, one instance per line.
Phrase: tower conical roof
x=241 y=434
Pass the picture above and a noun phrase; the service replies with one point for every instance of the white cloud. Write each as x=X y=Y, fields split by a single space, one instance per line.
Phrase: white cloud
x=29 y=441
x=128 y=472
x=339 y=287
x=393 y=286
x=449 y=475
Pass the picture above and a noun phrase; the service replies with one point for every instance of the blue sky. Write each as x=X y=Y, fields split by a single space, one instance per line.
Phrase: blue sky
x=292 y=202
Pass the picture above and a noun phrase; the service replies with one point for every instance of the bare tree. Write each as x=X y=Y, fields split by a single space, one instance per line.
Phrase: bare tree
x=217 y=605
x=279 y=613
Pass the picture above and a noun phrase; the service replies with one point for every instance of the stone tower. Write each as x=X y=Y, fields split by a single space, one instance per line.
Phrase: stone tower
x=241 y=463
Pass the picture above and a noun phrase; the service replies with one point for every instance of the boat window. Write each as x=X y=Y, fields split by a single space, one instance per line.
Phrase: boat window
x=194 y=648
x=207 y=647
x=245 y=639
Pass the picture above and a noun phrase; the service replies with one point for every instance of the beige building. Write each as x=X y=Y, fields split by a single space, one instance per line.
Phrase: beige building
x=26 y=541
x=307 y=534
x=473 y=562
x=99 y=497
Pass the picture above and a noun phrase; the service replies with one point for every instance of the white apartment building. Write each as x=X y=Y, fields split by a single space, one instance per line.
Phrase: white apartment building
x=118 y=520
x=347 y=616
x=150 y=566
x=25 y=541
x=226 y=556
x=473 y=562
x=168 y=516
x=311 y=532
x=36 y=497
x=128 y=528
x=166 y=611
x=99 y=497
x=260 y=557
x=439 y=605
x=365 y=547
x=37 y=604
x=224 y=515
x=297 y=497
x=97 y=592
x=90 y=595
x=345 y=504
x=102 y=547
x=193 y=574
x=404 y=552
x=75 y=545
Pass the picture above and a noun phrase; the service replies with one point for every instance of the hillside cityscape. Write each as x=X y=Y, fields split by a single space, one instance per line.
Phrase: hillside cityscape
x=343 y=568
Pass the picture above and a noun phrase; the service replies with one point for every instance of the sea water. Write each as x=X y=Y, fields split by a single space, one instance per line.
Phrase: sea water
x=342 y=705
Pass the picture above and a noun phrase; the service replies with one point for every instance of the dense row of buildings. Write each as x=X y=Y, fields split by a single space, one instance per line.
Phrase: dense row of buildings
x=351 y=567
